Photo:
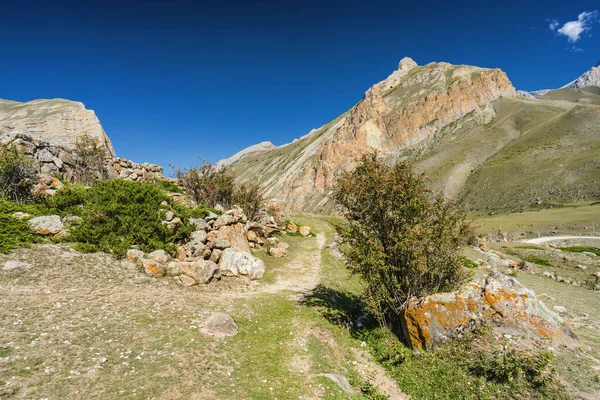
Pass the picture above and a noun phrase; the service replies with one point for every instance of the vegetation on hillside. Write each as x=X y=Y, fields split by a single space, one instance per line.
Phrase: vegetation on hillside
x=398 y=236
x=89 y=163
x=17 y=174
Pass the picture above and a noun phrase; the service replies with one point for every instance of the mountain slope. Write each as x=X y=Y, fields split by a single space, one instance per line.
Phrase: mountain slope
x=589 y=78
x=411 y=105
x=57 y=121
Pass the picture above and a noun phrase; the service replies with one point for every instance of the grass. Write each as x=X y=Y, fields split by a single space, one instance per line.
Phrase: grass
x=537 y=260
x=582 y=249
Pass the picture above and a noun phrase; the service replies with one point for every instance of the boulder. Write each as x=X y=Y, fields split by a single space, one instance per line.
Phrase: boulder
x=238 y=215
x=199 y=223
x=201 y=271
x=152 y=267
x=46 y=225
x=221 y=244
x=278 y=252
x=273 y=241
x=235 y=263
x=159 y=255
x=292 y=227
x=211 y=216
x=219 y=325
x=185 y=280
x=496 y=300
x=224 y=220
x=235 y=235
x=305 y=230
x=134 y=255
x=169 y=215
x=251 y=236
x=215 y=256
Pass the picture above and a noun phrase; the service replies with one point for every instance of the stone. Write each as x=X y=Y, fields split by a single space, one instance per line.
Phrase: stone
x=211 y=216
x=305 y=230
x=160 y=256
x=340 y=381
x=152 y=267
x=278 y=252
x=44 y=155
x=14 y=264
x=292 y=227
x=185 y=280
x=283 y=245
x=202 y=271
x=235 y=235
x=21 y=215
x=483 y=247
x=169 y=215
x=582 y=267
x=224 y=220
x=199 y=223
x=221 y=244
x=236 y=263
x=134 y=255
x=220 y=208
x=238 y=215
x=175 y=223
x=220 y=326
x=198 y=236
x=215 y=256
x=71 y=220
x=500 y=301
x=46 y=225
x=251 y=236
x=273 y=241
x=560 y=309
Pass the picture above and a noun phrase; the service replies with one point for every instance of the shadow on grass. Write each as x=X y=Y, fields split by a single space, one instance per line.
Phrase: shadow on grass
x=338 y=307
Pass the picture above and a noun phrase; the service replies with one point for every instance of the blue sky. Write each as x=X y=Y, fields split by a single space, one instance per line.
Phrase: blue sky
x=173 y=80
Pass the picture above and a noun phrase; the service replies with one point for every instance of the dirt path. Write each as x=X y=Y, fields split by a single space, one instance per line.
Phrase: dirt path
x=554 y=238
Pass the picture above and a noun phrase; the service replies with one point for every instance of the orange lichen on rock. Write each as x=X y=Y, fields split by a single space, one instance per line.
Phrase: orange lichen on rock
x=496 y=300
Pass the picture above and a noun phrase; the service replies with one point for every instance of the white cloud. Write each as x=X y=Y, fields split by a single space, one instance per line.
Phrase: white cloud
x=573 y=29
x=553 y=24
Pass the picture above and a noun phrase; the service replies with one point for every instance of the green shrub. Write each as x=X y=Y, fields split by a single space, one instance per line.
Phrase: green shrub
x=400 y=238
x=537 y=260
x=89 y=161
x=118 y=214
x=208 y=184
x=17 y=174
x=581 y=249
x=469 y=263
x=249 y=197
x=167 y=186
x=15 y=233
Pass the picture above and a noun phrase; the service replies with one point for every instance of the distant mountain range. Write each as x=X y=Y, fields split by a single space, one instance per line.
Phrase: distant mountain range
x=466 y=127
x=589 y=78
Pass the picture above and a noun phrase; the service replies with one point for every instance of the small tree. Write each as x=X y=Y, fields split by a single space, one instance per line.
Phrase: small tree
x=207 y=184
x=399 y=237
x=90 y=161
x=17 y=174
x=249 y=197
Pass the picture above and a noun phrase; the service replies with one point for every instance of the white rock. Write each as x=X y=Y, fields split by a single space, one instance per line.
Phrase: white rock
x=235 y=263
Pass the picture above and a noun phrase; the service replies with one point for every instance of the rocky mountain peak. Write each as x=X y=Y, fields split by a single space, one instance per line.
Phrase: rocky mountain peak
x=406 y=64
x=589 y=78
x=597 y=64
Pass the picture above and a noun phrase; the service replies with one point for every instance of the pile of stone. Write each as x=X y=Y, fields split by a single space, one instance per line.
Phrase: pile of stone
x=56 y=161
x=221 y=245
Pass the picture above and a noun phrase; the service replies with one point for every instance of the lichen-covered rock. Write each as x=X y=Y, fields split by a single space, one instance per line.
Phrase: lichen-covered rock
x=235 y=235
x=202 y=271
x=278 y=252
x=304 y=230
x=199 y=223
x=497 y=300
x=152 y=267
x=159 y=255
x=46 y=225
x=134 y=255
x=292 y=227
x=235 y=263
x=223 y=220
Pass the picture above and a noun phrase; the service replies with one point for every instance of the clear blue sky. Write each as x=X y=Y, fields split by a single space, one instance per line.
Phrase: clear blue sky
x=172 y=80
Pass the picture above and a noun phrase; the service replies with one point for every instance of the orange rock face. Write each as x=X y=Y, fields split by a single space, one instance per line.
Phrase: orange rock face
x=496 y=300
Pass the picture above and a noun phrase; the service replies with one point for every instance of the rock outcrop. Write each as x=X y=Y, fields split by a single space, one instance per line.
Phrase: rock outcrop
x=589 y=78
x=412 y=104
x=495 y=300
x=55 y=121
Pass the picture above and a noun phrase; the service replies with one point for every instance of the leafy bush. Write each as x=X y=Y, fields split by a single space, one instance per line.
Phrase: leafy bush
x=14 y=233
x=249 y=197
x=89 y=163
x=17 y=174
x=118 y=214
x=400 y=238
x=581 y=249
x=167 y=186
x=537 y=260
x=207 y=184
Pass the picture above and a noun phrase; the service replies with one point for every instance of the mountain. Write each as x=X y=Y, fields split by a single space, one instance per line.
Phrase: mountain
x=57 y=121
x=589 y=78
x=408 y=107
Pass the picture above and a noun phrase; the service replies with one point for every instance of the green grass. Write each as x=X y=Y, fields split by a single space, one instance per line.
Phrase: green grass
x=537 y=260
x=581 y=249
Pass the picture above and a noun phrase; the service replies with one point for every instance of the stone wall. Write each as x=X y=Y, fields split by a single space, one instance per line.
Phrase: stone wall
x=59 y=162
